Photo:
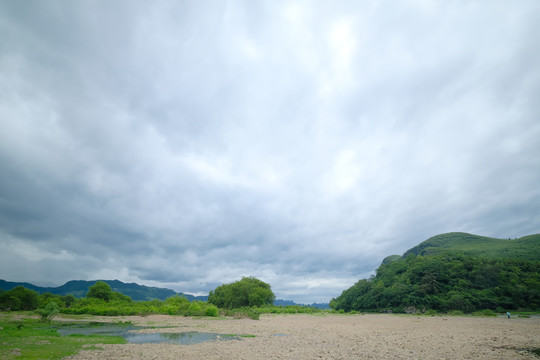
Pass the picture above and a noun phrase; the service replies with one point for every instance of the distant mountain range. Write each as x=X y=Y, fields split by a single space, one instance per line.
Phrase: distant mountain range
x=79 y=288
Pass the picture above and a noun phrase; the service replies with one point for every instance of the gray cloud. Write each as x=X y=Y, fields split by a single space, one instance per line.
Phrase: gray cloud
x=189 y=144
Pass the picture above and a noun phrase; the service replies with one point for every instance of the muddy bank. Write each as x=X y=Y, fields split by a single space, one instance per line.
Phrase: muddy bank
x=336 y=337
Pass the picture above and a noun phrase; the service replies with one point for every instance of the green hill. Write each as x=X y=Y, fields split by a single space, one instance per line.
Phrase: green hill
x=454 y=271
x=525 y=248
x=79 y=288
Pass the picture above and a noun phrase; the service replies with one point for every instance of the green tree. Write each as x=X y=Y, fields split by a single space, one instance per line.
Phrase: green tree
x=19 y=298
x=100 y=290
x=69 y=300
x=246 y=292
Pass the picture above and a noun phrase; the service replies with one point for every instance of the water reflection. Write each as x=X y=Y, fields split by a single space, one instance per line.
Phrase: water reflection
x=182 y=338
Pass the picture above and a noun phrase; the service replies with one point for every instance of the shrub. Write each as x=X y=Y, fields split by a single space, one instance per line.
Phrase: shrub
x=48 y=312
x=116 y=296
x=211 y=310
x=176 y=304
x=486 y=312
x=195 y=309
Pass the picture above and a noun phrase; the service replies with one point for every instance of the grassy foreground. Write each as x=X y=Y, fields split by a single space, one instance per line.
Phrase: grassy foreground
x=22 y=337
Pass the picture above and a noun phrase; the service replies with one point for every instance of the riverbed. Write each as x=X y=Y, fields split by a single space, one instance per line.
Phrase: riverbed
x=330 y=336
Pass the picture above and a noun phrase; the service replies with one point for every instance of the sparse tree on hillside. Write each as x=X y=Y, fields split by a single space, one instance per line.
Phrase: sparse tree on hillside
x=100 y=290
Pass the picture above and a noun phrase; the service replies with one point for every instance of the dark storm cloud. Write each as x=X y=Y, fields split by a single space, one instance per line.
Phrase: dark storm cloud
x=189 y=144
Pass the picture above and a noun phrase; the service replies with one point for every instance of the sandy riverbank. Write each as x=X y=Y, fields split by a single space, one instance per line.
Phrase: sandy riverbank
x=337 y=337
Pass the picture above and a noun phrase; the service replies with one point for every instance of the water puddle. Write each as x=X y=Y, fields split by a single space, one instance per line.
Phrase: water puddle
x=183 y=338
x=126 y=331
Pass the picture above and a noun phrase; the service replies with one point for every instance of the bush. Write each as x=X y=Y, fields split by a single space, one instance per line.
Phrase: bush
x=48 y=312
x=455 y=313
x=242 y=313
x=176 y=305
x=211 y=310
x=486 y=312
x=195 y=309
x=116 y=296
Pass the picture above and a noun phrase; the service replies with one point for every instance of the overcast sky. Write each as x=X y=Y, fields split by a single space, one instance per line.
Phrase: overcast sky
x=185 y=144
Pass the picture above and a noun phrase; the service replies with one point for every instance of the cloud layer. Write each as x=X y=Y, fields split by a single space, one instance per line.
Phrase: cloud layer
x=187 y=144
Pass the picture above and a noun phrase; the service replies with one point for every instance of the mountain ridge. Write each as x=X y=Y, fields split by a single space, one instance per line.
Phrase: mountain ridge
x=526 y=247
x=79 y=288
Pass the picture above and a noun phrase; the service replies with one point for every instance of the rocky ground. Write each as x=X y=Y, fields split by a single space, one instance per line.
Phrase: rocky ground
x=337 y=337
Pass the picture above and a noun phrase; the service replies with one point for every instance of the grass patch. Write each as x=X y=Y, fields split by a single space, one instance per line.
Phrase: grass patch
x=485 y=313
x=92 y=347
x=31 y=339
x=535 y=351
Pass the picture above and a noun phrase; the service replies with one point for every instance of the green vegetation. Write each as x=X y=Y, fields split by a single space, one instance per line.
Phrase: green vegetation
x=48 y=312
x=175 y=305
x=100 y=290
x=485 y=274
x=18 y=298
x=248 y=292
x=289 y=309
x=79 y=289
x=31 y=339
x=102 y=300
x=525 y=248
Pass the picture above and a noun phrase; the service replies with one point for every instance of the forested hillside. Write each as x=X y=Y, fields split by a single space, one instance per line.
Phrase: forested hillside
x=453 y=271
x=525 y=248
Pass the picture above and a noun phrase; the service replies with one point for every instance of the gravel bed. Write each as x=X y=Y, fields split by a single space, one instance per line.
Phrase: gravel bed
x=336 y=337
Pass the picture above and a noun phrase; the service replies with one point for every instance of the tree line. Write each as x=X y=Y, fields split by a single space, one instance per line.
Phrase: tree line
x=235 y=299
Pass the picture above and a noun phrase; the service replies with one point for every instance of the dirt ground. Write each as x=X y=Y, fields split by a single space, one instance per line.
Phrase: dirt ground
x=337 y=337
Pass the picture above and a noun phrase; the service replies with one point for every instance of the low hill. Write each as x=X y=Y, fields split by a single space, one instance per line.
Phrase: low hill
x=454 y=271
x=79 y=288
x=525 y=248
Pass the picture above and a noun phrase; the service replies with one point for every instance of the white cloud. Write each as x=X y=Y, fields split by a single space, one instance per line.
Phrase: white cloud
x=298 y=142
